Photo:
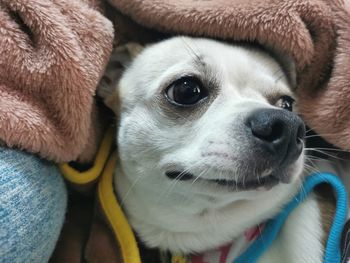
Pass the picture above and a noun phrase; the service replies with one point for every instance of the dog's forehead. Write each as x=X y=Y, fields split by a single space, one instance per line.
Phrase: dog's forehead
x=238 y=65
x=210 y=53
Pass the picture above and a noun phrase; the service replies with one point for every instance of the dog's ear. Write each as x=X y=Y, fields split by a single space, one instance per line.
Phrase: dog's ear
x=288 y=66
x=286 y=62
x=120 y=59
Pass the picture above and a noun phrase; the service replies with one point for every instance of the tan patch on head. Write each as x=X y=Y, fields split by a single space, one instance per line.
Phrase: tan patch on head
x=134 y=49
x=113 y=102
x=108 y=86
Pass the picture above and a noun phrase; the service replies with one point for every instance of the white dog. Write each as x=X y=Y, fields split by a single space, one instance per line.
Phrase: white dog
x=209 y=148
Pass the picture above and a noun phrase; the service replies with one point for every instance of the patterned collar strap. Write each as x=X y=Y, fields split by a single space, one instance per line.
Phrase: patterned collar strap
x=272 y=227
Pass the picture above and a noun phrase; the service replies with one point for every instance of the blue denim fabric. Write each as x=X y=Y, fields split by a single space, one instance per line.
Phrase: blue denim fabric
x=33 y=201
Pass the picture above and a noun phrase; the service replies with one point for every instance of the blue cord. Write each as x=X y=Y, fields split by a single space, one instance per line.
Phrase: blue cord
x=272 y=227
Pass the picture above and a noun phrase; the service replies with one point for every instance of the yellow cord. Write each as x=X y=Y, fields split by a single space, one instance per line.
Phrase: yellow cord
x=115 y=215
x=93 y=173
x=178 y=259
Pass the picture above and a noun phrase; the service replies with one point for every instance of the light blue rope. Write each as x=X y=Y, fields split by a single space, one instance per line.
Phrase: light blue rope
x=272 y=227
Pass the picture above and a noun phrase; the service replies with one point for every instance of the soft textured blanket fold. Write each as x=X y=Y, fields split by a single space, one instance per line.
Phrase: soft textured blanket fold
x=52 y=55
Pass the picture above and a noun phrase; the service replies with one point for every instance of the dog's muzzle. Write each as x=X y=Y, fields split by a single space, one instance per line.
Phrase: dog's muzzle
x=274 y=141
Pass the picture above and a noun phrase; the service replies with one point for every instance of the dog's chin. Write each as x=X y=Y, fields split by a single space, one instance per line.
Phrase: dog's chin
x=257 y=201
x=228 y=205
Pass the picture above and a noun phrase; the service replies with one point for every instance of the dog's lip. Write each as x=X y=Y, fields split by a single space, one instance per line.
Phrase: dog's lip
x=267 y=181
x=178 y=175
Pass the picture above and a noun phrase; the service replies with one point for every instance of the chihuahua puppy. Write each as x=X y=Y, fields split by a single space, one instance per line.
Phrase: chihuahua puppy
x=210 y=147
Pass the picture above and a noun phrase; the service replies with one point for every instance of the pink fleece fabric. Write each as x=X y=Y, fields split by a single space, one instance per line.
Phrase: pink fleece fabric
x=52 y=55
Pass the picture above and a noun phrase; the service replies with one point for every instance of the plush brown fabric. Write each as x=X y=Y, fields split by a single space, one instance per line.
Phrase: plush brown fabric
x=102 y=243
x=86 y=235
x=52 y=55
x=76 y=230
x=315 y=33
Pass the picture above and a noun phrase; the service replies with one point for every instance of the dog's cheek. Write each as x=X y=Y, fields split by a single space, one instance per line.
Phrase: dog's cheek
x=136 y=136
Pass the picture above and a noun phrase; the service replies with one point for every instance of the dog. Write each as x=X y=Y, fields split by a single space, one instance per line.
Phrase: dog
x=210 y=146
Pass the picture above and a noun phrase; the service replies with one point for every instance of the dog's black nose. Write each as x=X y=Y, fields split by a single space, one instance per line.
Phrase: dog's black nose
x=280 y=132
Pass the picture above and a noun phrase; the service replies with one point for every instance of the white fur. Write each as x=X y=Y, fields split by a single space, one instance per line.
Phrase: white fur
x=300 y=238
x=193 y=217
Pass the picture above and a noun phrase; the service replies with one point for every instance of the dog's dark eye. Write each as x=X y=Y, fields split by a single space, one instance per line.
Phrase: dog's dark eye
x=286 y=102
x=186 y=91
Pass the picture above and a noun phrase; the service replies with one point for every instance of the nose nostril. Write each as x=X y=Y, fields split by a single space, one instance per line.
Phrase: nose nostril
x=277 y=131
x=269 y=132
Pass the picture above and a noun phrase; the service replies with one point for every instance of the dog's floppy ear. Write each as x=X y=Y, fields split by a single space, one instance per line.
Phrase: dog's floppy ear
x=287 y=64
x=120 y=59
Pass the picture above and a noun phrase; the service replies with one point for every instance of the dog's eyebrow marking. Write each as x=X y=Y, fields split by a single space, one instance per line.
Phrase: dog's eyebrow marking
x=199 y=62
x=209 y=75
x=191 y=51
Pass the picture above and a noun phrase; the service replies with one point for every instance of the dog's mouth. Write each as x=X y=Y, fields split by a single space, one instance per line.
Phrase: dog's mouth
x=266 y=182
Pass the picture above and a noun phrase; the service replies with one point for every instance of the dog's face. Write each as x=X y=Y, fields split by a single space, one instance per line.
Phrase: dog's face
x=204 y=127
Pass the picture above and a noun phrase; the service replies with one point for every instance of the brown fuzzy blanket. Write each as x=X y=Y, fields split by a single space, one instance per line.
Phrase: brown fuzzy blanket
x=53 y=53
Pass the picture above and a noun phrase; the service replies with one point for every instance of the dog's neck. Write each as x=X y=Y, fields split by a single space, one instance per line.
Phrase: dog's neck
x=185 y=222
